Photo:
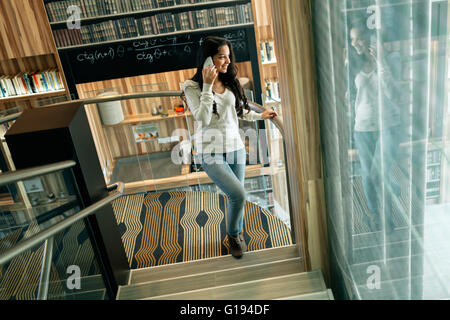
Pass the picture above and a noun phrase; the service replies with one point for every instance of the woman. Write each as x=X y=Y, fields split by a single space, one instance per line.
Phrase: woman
x=216 y=100
x=377 y=127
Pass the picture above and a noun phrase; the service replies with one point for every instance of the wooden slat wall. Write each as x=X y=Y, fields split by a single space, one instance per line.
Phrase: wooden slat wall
x=263 y=15
x=24 y=64
x=264 y=32
x=22 y=29
x=295 y=56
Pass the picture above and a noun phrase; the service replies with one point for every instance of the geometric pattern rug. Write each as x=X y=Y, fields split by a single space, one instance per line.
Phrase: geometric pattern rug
x=169 y=227
x=20 y=277
x=406 y=202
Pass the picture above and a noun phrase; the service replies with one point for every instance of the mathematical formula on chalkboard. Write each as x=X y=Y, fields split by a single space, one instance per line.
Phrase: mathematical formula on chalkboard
x=147 y=55
x=152 y=50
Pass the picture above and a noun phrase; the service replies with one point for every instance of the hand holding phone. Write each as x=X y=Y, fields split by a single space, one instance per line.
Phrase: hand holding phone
x=208 y=62
x=209 y=71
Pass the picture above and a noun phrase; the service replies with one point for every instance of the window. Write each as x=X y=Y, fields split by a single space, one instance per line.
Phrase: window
x=386 y=144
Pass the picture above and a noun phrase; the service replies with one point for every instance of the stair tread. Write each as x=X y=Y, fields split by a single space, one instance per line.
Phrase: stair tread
x=322 y=295
x=222 y=277
x=264 y=289
x=212 y=264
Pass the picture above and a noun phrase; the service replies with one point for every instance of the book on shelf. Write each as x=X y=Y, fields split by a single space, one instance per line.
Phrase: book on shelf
x=267 y=51
x=57 y=10
x=272 y=89
x=433 y=173
x=129 y=27
x=30 y=82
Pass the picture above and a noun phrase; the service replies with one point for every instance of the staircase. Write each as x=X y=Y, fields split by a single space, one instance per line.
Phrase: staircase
x=259 y=275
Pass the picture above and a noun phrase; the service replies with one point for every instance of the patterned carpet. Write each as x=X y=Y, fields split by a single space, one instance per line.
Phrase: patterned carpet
x=169 y=227
x=19 y=278
x=404 y=203
x=156 y=229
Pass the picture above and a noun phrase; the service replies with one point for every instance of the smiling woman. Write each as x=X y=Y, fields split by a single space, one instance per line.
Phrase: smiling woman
x=216 y=100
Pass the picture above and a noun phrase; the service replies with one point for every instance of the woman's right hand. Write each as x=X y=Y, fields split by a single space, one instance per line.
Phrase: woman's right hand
x=210 y=74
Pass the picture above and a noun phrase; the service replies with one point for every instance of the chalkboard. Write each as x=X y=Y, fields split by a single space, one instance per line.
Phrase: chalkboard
x=147 y=55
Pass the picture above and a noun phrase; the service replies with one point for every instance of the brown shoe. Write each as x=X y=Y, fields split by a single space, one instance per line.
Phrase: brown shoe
x=235 y=246
x=243 y=244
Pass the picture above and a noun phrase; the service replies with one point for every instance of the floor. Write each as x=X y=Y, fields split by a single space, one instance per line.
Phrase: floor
x=144 y=167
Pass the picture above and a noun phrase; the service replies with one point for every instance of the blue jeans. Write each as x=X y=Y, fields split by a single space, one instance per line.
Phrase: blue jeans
x=227 y=170
x=372 y=154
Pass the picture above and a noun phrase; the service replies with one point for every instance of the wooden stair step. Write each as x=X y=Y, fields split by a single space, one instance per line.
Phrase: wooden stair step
x=264 y=289
x=207 y=279
x=322 y=295
x=212 y=264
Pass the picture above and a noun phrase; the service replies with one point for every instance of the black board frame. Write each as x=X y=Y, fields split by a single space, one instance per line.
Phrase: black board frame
x=149 y=55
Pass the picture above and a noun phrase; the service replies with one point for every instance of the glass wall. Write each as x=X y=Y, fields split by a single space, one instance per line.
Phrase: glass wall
x=382 y=69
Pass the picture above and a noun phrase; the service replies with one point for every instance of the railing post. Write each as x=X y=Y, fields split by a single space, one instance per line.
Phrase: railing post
x=45 y=270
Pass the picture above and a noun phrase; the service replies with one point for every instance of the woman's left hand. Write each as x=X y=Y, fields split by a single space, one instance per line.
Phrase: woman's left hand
x=269 y=114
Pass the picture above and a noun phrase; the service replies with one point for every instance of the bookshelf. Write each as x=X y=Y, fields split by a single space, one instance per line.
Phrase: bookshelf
x=434 y=173
x=30 y=68
x=267 y=56
x=133 y=19
x=30 y=72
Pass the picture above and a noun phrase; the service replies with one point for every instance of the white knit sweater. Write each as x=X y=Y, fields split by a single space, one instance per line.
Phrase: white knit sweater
x=212 y=133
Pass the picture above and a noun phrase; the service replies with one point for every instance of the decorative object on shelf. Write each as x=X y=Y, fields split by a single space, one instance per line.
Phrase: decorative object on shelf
x=162 y=111
x=179 y=108
x=110 y=112
x=269 y=88
x=272 y=89
x=155 y=111
x=145 y=132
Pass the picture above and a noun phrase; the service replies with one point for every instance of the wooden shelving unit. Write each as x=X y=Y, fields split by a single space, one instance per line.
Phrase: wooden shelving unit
x=27 y=47
x=33 y=96
x=149 y=37
x=30 y=48
x=175 y=8
x=143 y=118
x=269 y=71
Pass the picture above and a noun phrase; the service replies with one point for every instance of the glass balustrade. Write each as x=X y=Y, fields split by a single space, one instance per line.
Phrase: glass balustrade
x=151 y=149
x=64 y=266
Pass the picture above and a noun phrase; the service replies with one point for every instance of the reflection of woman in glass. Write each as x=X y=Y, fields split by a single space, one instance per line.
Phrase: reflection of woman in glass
x=216 y=100
x=377 y=124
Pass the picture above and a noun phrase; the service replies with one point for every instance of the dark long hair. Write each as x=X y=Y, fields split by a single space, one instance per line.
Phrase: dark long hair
x=209 y=48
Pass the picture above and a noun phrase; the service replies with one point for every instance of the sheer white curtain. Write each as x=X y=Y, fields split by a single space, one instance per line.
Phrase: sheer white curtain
x=382 y=75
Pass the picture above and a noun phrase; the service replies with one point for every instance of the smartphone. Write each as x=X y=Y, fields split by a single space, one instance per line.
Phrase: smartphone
x=208 y=62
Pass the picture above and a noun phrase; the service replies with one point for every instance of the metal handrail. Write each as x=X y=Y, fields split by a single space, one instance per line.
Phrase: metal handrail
x=24 y=174
x=127 y=96
x=10 y=117
x=45 y=234
x=158 y=94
